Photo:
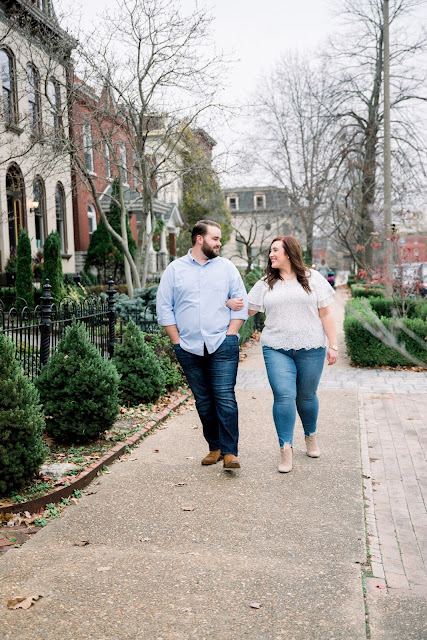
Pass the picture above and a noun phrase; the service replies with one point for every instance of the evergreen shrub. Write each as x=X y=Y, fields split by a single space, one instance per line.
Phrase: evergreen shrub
x=166 y=357
x=78 y=389
x=142 y=379
x=22 y=449
x=366 y=350
x=52 y=265
x=141 y=308
x=414 y=307
x=24 y=269
x=363 y=292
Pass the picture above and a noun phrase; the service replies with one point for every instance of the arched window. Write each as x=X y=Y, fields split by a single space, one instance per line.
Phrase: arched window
x=8 y=80
x=60 y=215
x=91 y=218
x=34 y=104
x=15 y=204
x=39 y=212
x=54 y=97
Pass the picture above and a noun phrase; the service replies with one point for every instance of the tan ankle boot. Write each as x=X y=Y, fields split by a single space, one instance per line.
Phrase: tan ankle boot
x=231 y=462
x=312 y=448
x=285 y=460
x=212 y=457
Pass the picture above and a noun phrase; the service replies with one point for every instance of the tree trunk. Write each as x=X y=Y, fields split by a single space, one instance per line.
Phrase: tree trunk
x=123 y=229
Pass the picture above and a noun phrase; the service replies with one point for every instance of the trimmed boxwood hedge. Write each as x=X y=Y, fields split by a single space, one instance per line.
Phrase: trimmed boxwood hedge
x=416 y=307
x=358 y=291
x=366 y=350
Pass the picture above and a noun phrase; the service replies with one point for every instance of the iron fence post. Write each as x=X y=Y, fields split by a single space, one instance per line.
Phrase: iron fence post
x=46 y=323
x=111 y=317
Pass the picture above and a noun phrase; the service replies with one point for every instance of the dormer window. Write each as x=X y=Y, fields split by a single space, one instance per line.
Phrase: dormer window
x=233 y=203
x=259 y=201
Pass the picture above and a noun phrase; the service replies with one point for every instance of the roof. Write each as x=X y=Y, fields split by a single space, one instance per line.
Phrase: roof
x=168 y=211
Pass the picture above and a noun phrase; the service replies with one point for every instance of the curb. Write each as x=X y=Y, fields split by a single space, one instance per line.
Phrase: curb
x=85 y=477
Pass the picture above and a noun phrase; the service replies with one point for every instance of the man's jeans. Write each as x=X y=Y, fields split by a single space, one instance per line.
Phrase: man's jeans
x=294 y=377
x=212 y=378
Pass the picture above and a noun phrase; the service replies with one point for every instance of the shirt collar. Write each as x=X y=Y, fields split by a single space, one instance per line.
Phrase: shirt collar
x=191 y=259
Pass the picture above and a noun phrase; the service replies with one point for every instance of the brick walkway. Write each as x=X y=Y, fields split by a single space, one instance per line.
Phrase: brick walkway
x=393 y=428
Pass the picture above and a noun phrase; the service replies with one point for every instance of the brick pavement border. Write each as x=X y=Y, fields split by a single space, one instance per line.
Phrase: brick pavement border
x=85 y=477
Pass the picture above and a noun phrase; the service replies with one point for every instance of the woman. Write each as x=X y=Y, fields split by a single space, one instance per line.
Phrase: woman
x=299 y=323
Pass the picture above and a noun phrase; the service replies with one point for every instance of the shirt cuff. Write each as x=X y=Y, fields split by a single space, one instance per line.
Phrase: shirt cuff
x=239 y=315
x=326 y=302
x=166 y=321
x=255 y=307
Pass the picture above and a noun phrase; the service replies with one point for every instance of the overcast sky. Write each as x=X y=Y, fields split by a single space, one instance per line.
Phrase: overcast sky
x=256 y=32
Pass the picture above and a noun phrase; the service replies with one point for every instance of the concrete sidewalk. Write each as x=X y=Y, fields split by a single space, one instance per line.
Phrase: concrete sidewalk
x=177 y=551
x=292 y=543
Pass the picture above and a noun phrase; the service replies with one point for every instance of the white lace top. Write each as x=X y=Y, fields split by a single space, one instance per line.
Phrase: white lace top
x=292 y=317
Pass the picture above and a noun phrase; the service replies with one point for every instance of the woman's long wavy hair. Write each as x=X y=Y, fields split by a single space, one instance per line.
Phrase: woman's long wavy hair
x=293 y=250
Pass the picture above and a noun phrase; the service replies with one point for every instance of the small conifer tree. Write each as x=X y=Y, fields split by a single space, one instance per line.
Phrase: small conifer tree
x=24 y=271
x=104 y=252
x=78 y=389
x=52 y=269
x=22 y=449
x=142 y=379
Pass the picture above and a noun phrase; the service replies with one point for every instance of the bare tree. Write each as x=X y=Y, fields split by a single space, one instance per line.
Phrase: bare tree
x=149 y=57
x=294 y=134
x=356 y=60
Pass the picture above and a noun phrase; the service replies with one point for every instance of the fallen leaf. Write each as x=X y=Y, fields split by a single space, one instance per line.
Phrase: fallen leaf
x=189 y=458
x=104 y=568
x=255 y=605
x=23 y=603
x=145 y=539
x=177 y=484
x=155 y=451
x=74 y=500
x=188 y=508
x=81 y=543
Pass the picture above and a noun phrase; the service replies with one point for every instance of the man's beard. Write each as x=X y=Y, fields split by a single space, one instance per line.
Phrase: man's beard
x=209 y=253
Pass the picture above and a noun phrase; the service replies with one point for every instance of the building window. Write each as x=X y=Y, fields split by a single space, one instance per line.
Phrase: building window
x=54 y=98
x=15 y=204
x=39 y=212
x=60 y=215
x=123 y=164
x=233 y=203
x=91 y=215
x=259 y=201
x=87 y=147
x=107 y=162
x=7 y=64
x=34 y=104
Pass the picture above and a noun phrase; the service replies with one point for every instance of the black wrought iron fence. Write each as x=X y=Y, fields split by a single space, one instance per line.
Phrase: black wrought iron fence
x=36 y=333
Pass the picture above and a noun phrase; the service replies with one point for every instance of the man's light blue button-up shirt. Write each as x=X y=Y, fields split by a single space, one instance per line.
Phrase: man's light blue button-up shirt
x=193 y=296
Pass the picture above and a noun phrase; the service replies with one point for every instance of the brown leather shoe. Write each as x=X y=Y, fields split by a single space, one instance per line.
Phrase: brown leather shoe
x=212 y=457
x=231 y=462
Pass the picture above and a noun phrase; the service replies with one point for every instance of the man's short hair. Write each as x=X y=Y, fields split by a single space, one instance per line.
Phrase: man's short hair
x=201 y=229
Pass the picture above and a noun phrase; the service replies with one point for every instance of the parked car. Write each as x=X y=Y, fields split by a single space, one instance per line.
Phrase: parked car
x=423 y=280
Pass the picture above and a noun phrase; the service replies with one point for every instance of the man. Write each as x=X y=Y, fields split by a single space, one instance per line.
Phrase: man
x=204 y=331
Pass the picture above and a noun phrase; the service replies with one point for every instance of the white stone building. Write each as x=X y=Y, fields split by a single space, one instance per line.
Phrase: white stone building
x=35 y=175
